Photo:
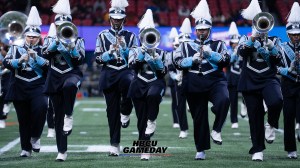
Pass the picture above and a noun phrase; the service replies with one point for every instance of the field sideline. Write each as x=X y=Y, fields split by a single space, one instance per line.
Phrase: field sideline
x=88 y=144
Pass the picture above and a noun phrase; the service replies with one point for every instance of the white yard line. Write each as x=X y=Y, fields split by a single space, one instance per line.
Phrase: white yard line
x=9 y=146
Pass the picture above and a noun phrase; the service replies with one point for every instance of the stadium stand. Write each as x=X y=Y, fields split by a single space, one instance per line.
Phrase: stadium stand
x=166 y=12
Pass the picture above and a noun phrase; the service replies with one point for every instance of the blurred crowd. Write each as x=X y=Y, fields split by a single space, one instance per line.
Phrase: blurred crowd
x=166 y=12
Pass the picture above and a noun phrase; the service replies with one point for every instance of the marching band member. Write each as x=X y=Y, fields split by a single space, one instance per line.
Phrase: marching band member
x=112 y=48
x=64 y=75
x=50 y=112
x=184 y=37
x=4 y=77
x=258 y=80
x=233 y=73
x=172 y=77
x=148 y=86
x=27 y=83
x=290 y=81
x=202 y=61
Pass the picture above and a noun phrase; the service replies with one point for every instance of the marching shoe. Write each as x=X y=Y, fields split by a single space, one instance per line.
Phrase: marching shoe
x=243 y=110
x=292 y=155
x=183 y=134
x=36 y=144
x=269 y=133
x=25 y=153
x=145 y=156
x=2 y=124
x=68 y=124
x=125 y=120
x=176 y=125
x=298 y=131
x=216 y=137
x=61 y=157
x=114 y=150
x=151 y=126
x=258 y=156
x=6 y=108
x=234 y=125
x=51 y=133
x=200 y=155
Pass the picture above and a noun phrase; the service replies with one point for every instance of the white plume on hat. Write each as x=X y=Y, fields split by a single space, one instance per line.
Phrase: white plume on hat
x=294 y=15
x=173 y=33
x=119 y=4
x=201 y=11
x=33 y=23
x=34 y=17
x=233 y=29
x=293 y=25
x=252 y=10
x=52 y=30
x=186 y=26
x=117 y=10
x=62 y=7
x=147 y=20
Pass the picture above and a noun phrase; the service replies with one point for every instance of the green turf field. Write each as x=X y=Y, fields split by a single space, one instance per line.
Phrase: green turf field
x=89 y=141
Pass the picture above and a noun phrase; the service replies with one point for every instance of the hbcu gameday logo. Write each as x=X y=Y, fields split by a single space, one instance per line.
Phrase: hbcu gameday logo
x=140 y=146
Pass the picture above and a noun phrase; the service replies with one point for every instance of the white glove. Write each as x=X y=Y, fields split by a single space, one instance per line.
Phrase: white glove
x=196 y=57
x=156 y=56
x=178 y=77
x=292 y=66
x=143 y=49
x=23 y=58
x=71 y=46
x=255 y=33
x=32 y=53
x=122 y=42
x=269 y=44
x=111 y=49
x=207 y=50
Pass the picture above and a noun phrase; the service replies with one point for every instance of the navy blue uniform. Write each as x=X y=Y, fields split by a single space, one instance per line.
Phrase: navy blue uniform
x=50 y=115
x=202 y=86
x=115 y=78
x=63 y=81
x=148 y=86
x=258 y=82
x=26 y=92
x=291 y=95
x=180 y=98
x=4 y=77
x=233 y=75
x=172 y=85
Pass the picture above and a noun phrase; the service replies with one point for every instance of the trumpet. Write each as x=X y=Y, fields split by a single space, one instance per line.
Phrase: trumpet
x=263 y=23
x=150 y=39
x=67 y=34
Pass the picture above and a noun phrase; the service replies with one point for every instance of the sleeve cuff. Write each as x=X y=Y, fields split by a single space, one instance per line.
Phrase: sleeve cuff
x=15 y=63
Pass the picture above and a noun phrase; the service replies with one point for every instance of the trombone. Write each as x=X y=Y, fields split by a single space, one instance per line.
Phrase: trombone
x=263 y=23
